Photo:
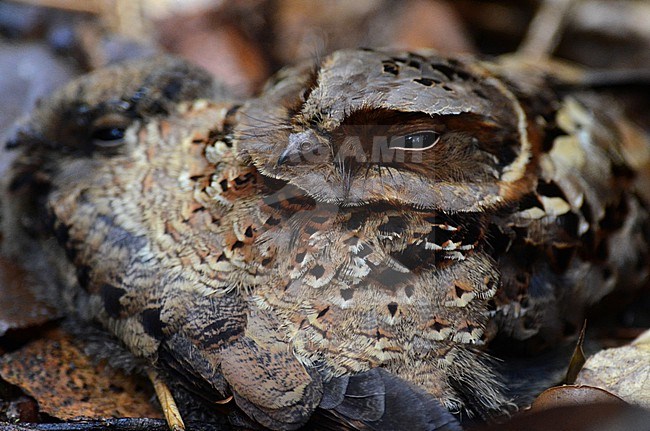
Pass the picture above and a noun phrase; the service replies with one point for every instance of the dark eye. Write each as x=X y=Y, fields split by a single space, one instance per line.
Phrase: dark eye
x=306 y=146
x=415 y=141
x=108 y=136
x=109 y=130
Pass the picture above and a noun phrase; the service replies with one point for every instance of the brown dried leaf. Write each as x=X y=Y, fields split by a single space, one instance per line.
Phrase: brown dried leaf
x=625 y=371
x=572 y=395
x=232 y=58
x=577 y=359
x=584 y=417
x=19 y=307
x=430 y=24
x=23 y=409
x=304 y=29
x=67 y=385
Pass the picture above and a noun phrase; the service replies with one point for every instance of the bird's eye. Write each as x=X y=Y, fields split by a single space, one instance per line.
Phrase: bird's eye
x=109 y=130
x=415 y=142
x=108 y=136
x=306 y=146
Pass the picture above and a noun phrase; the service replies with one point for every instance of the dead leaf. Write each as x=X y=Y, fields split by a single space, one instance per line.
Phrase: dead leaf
x=68 y=386
x=23 y=409
x=577 y=408
x=577 y=359
x=587 y=417
x=19 y=307
x=431 y=24
x=233 y=59
x=572 y=395
x=625 y=371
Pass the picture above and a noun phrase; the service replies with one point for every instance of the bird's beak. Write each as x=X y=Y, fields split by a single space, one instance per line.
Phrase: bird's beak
x=288 y=155
x=303 y=147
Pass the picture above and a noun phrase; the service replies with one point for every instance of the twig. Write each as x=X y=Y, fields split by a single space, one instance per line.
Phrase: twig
x=546 y=28
x=167 y=402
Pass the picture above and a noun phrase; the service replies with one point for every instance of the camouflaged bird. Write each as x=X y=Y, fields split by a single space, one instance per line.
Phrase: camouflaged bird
x=347 y=246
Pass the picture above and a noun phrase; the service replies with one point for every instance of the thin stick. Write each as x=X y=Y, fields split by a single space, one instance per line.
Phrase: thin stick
x=167 y=402
x=546 y=29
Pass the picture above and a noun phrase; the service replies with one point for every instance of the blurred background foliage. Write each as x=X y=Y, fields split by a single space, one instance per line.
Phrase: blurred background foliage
x=243 y=41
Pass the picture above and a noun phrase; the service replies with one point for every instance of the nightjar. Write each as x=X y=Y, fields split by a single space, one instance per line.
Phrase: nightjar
x=345 y=248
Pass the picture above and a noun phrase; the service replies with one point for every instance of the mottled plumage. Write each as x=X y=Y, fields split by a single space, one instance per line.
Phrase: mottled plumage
x=349 y=243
